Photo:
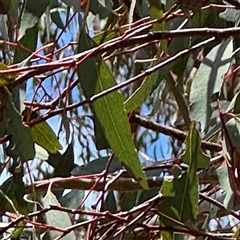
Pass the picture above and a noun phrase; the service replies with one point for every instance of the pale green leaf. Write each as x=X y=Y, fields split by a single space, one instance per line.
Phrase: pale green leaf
x=56 y=218
x=31 y=15
x=209 y=80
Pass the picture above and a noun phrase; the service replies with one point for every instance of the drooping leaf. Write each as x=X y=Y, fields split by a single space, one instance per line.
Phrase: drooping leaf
x=56 y=218
x=72 y=199
x=21 y=142
x=16 y=234
x=100 y=139
x=193 y=150
x=31 y=15
x=97 y=166
x=156 y=12
x=74 y=4
x=110 y=203
x=180 y=195
x=101 y=7
x=128 y=200
x=109 y=109
x=62 y=163
x=224 y=181
x=55 y=15
x=208 y=81
x=11 y=197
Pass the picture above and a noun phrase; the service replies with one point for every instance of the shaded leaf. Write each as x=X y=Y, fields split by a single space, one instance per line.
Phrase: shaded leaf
x=21 y=142
x=72 y=199
x=180 y=195
x=110 y=203
x=128 y=200
x=31 y=15
x=109 y=109
x=57 y=19
x=193 y=152
x=101 y=7
x=97 y=166
x=208 y=81
x=100 y=139
x=224 y=181
x=56 y=218
x=11 y=197
x=62 y=163
x=74 y=4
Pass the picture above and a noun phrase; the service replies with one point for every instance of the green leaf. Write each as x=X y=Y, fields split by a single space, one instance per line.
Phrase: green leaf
x=180 y=195
x=57 y=19
x=72 y=199
x=109 y=109
x=209 y=80
x=100 y=139
x=11 y=197
x=101 y=7
x=110 y=203
x=225 y=184
x=140 y=95
x=155 y=13
x=31 y=15
x=56 y=218
x=74 y=4
x=193 y=154
x=128 y=200
x=44 y=136
x=97 y=166
x=62 y=163
x=21 y=142
x=16 y=234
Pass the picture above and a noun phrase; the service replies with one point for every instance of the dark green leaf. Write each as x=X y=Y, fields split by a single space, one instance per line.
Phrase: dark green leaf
x=57 y=19
x=97 y=166
x=72 y=199
x=21 y=143
x=110 y=203
x=62 y=163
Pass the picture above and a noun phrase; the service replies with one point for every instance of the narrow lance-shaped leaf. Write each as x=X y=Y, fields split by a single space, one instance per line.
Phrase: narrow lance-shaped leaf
x=180 y=196
x=95 y=77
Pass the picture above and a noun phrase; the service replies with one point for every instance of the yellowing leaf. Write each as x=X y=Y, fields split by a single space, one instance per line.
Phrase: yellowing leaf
x=5 y=79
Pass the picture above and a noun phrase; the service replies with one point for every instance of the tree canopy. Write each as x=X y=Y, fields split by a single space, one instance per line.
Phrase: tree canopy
x=119 y=119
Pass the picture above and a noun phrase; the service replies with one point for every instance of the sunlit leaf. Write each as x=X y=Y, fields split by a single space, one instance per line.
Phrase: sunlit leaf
x=109 y=109
x=44 y=136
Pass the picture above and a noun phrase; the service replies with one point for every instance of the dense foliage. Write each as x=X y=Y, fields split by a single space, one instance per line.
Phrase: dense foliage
x=119 y=119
